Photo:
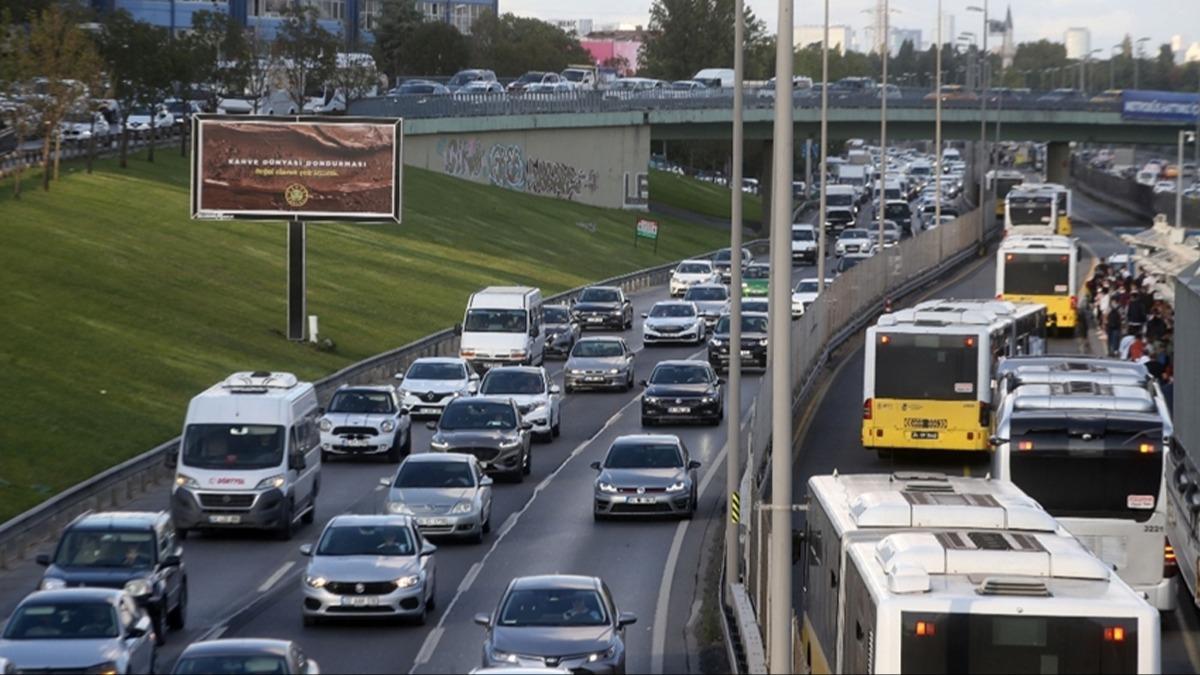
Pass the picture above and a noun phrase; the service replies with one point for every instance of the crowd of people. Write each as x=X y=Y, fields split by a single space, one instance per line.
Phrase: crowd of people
x=1133 y=323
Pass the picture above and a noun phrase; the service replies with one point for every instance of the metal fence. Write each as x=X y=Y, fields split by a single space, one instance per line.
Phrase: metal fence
x=1132 y=195
x=78 y=148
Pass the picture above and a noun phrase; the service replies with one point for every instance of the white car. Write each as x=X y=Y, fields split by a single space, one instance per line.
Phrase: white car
x=891 y=233
x=712 y=300
x=432 y=382
x=365 y=420
x=1163 y=186
x=529 y=387
x=84 y=126
x=805 y=293
x=804 y=243
x=691 y=272
x=673 y=321
x=854 y=240
x=139 y=118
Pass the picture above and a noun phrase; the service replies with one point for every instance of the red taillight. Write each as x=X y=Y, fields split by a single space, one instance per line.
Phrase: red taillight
x=867 y=405
x=1114 y=634
x=885 y=339
x=970 y=342
x=999 y=296
x=925 y=629
x=1170 y=563
x=1025 y=445
x=1009 y=258
x=1074 y=302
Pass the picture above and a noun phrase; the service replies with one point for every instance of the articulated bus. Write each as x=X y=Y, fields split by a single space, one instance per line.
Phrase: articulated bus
x=1030 y=211
x=1087 y=438
x=1000 y=183
x=1042 y=269
x=927 y=382
x=913 y=573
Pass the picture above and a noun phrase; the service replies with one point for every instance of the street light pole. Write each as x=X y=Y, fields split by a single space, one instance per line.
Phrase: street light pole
x=779 y=638
x=983 y=148
x=1184 y=137
x=1137 y=62
x=937 y=126
x=734 y=411
x=885 y=48
x=824 y=153
x=1112 y=66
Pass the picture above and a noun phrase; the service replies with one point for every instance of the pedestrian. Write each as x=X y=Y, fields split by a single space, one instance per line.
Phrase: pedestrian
x=1126 y=343
x=1135 y=314
x=1113 y=327
x=1156 y=327
x=1137 y=348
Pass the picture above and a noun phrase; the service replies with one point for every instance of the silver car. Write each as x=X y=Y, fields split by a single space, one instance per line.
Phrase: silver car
x=366 y=420
x=711 y=300
x=673 y=321
x=600 y=363
x=539 y=400
x=244 y=655
x=98 y=630
x=431 y=383
x=447 y=493
x=645 y=475
x=369 y=566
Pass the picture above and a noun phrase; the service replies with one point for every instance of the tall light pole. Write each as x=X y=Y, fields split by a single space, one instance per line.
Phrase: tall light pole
x=779 y=638
x=886 y=52
x=1137 y=62
x=1184 y=137
x=824 y=153
x=734 y=411
x=983 y=148
x=1083 y=81
x=937 y=126
x=1112 y=66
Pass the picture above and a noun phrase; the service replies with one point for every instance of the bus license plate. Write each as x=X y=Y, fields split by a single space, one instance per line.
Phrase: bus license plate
x=225 y=520
x=356 y=601
x=925 y=435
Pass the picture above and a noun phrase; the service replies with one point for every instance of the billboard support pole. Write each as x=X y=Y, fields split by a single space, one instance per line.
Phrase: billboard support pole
x=297 y=282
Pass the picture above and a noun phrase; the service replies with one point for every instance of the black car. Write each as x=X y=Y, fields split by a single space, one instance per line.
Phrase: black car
x=683 y=391
x=722 y=263
x=489 y=428
x=562 y=332
x=899 y=212
x=131 y=550
x=602 y=307
x=754 y=342
x=838 y=219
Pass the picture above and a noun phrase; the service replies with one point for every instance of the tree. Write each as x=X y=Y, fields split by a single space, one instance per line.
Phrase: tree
x=688 y=35
x=617 y=63
x=397 y=21
x=131 y=50
x=306 y=52
x=354 y=77
x=68 y=69
x=221 y=51
x=513 y=45
x=435 y=48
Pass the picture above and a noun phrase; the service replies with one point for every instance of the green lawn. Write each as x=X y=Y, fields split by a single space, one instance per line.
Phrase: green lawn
x=118 y=308
x=697 y=196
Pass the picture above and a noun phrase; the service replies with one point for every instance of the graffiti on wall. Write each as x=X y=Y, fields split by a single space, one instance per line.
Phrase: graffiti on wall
x=506 y=166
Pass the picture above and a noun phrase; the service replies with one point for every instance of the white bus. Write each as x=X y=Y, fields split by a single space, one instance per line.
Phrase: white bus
x=912 y=573
x=1087 y=438
x=1043 y=269
x=1030 y=211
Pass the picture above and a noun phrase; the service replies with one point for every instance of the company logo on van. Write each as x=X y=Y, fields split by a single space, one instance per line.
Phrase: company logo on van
x=226 y=481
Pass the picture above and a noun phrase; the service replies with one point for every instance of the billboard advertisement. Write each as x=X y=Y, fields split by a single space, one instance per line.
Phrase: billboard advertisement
x=296 y=168
x=1160 y=106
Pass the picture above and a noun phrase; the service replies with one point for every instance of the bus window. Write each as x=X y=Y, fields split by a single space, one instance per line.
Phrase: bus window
x=931 y=367
x=1030 y=210
x=1037 y=274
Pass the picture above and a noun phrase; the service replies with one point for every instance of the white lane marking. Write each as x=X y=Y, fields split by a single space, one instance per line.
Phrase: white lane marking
x=220 y=630
x=435 y=636
x=469 y=579
x=274 y=578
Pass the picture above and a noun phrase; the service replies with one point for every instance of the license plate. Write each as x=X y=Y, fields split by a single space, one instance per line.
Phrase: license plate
x=679 y=411
x=354 y=443
x=593 y=379
x=432 y=522
x=641 y=500
x=427 y=411
x=355 y=601
x=745 y=353
x=225 y=520
x=594 y=319
x=925 y=435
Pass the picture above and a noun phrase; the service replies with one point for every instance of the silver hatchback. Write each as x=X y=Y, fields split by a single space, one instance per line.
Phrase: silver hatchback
x=447 y=494
x=645 y=475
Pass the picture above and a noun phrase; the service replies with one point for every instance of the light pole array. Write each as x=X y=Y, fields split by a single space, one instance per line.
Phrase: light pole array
x=937 y=125
x=824 y=153
x=734 y=408
x=1184 y=137
x=983 y=148
x=1137 y=62
x=885 y=52
x=1112 y=66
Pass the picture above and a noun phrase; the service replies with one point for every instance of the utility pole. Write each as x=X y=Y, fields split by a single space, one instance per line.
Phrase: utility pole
x=937 y=127
x=824 y=153
x=983 y=148
x=779 y=638
x=1137 y=62
x=883 y=109
x=734 y=407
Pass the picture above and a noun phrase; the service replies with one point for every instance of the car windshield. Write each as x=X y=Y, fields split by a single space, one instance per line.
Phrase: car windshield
x=63 y=621
x=531 y=77
x=553 y=607
x=808 y=286
x=520 y=382
x=556 y=316
x=444 y=474
x=232 y=446
x=241 y=664
x=467 y=414
x=597 y=349
x=894 y=210
x=758 y=272
x=341 y=540
x=495 y=321
x=599 y=295
x=643 y=456
x=854 y=234
x=436 y=371
x=680 y=374
x=673 y=311
x=105 y=548
x=802 y=235
x=839 y=199
x=723 y=255
x=465 y=76
x=755 y=305
x=693 y=268
x=573 y=75
x=709 y=293
x=750 y=324
x=362 y=402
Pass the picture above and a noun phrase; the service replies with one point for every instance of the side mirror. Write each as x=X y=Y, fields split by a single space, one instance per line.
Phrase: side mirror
x=385 y=481
x=172 y=561
x=296 y=461
x=458 y=329
x=645 y=315
x=427 y=549
x=555 y=389
x=526 y=426
x=306 y=550
x=473 y=387
x=320 y=411
x=171 y=460
x=694 y=464
x=533 y=332
x=474 y=377
x=483 y=620
x=398 y=377
x=996 y=441
x=595 y=465
x=143 y=626
x=432 y=426
x=43 y=559
x=626 y=619
x=644 y=383
x=486 y=481
x=720 y=380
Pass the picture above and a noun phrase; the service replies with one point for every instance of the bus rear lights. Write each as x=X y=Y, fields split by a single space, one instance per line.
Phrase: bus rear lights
x=867 y=407
x=1010 y=257
x=1074 y=302
x=1170 y=562
x=925 y=629
x=970 y=342
x=1114 y=634
x=1025 y=445
x=885 y=339
x=1146 y=448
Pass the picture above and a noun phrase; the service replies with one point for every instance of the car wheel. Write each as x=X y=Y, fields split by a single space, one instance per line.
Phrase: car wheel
x=487 y=524
x=286 y=528
x=393 y=455
x=310 y=515
x=556 y=430
x=431 y=603
x=325 y=456
x=597 y=516
x=647 y=422
x=407 y=449
x=177 y=617
x=568 y=389
x=181 y=533
x=310 y=620
x=160 y=628
x=528 y=468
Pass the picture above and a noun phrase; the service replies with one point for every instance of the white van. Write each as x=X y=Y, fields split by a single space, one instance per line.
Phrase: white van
x=250 y=456
x=503 y=327
x=715 y=78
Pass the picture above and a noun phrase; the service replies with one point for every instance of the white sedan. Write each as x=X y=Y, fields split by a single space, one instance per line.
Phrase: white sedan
x=691 y=272
x=805 y=294
x=854 y=240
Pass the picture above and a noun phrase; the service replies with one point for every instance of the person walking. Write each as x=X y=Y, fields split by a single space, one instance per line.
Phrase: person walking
x=1112 y=326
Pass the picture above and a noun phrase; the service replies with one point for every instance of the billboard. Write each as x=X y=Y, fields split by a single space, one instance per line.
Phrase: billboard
x=296 y=168
x=1160 y=106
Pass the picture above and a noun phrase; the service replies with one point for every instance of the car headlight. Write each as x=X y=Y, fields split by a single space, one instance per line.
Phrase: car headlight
x=441 y=446
x=576 y=371
x=715 y=342
x=676 y=487
x=315 y=582
x=606 y=487
x=462 y=507
x=139 y=588
x=51 y=584
x=762 y=342
x=510 y=444
x=504 y=656
x=613 y=371
x=276 y=481
x=606 y=654
x=325 y=425
x=706 y=399
x=408 y=581
x=538 y=405
x=652 y=400
x=182 y=480
x=107 y=668
x=399 y=509
x=388 y=426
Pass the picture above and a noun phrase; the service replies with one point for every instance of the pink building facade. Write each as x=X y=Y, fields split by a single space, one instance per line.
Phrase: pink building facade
x=604 y=48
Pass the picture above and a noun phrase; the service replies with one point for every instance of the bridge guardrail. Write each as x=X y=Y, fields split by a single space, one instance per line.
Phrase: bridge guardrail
x=135 y=476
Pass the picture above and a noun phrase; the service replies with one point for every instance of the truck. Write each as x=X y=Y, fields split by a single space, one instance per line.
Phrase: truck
x=583 y=77
x=854 y=175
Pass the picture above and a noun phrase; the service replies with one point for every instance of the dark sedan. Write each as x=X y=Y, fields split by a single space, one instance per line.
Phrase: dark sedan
x=559 y=621
x=683 y=391
x=490 y=429
x=603 y=307
x=561 y=330
x=754 y=342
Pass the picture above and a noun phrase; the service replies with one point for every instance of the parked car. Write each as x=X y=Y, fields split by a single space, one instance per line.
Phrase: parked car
x=1164 y=186
x=569 y=622
x=531 y=78
x=133 y=550
x=602 y=307
x=479 y=87
x=420 y=88
x=139 y=118
x=432 y=382
x=562 y=330
x=240 y=655
x=682 y=391
x=366 y=420
x=753 y=350
x=599 y=363
x=537 y=398
x=645 y=475
x=673 y=321
x=470 y=76
x=369 y=566
x=82 y=126
x=491 y=430
x=79 y=630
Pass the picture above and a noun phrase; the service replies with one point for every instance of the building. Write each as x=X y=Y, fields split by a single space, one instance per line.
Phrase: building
x=619 y=49
x=1079 y=42
x=577 y=27
x=898 y=36
x=1192 y=54
x=841 y=37
x=460 y=13
x=948 y=34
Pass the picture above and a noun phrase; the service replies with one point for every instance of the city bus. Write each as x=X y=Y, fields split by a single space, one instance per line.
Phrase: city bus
x=1042 y=269
x=926 y=573
x=1030 y=211
x=1062 y=205
x=1000 y=183
x=1026 y=335
x=927 y=381
x=1087 y=438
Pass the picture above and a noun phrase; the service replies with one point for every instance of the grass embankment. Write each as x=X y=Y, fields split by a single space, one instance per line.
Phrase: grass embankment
x=118 y=308
x=698 y=196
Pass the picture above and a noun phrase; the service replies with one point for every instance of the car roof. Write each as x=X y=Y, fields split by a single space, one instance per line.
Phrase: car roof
x=553 y=581
x=505 y=400
x=603 y=288
x=119 y=520
x=383 y=388
x=70 y=595
x=536 y=370
x=368 y=519
x=682 y=362
x=646 y=438
x=439 y=359
x=722 y=286
x=606 y=338
x=435 y=457
x=695 y=260
x=238 y=647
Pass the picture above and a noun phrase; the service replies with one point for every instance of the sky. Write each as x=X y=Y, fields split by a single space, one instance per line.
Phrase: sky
x=1108 y=20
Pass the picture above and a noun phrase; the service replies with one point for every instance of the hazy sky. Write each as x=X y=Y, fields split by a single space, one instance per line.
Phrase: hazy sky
x=1108 y=20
